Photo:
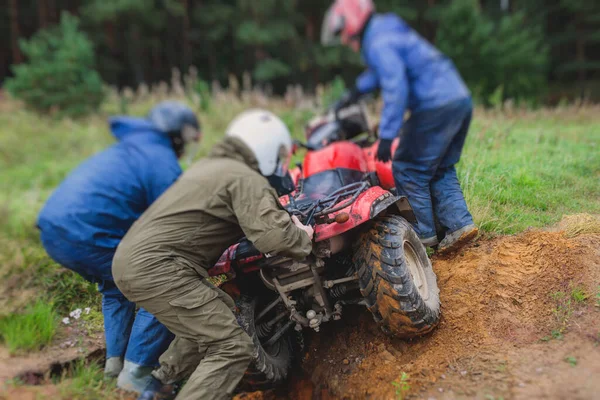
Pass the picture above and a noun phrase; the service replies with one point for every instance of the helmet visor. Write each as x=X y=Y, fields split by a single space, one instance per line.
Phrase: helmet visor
x=283 y=162
x=333 y=24
x=281 y=180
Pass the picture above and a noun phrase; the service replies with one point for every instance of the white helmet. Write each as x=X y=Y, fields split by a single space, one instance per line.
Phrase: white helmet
x=268 y=138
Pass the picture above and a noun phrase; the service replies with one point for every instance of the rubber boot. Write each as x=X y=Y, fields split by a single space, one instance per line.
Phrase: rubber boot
x=155 y=390
x=430 y=241
x=113 y=367
x=457 y=239
x=134 y=377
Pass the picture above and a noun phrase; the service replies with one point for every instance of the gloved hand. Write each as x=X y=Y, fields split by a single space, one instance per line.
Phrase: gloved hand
x=306 y=228
x=350 y=96
x=384 y=150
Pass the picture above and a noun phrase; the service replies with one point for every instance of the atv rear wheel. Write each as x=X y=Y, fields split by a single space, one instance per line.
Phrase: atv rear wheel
x=270 y=364
x=396 y=278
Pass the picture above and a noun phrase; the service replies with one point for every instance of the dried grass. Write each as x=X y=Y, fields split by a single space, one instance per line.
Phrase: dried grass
x=579 y=224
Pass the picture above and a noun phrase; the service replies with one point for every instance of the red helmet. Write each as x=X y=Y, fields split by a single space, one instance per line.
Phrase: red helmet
x=345 y=20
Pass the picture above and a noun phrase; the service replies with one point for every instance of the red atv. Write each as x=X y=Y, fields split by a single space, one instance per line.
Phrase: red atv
x=365 y=251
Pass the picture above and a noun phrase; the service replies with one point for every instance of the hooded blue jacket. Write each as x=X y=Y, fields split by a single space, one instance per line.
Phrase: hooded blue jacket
x=100 y=200
x=411 y=73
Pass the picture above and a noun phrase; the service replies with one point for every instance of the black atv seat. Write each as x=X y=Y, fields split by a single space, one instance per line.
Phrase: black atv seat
x=245 y=250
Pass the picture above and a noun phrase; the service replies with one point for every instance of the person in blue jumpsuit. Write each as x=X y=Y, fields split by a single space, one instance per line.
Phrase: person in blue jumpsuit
x=412 y=75
x=89 y=213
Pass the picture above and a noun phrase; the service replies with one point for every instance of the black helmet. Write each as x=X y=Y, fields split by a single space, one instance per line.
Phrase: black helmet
x=178 y=121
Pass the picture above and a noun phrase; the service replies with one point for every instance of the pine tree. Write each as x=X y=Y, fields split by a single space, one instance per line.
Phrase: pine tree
x=143 y=29
x=213 y=30
x=278 y=41
x=506 y=54
x=269 y=32
x=580 y=22
x=60 y=71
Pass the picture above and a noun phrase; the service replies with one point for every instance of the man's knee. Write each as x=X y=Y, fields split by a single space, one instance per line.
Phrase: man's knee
x=240 y=346
x=413 y=173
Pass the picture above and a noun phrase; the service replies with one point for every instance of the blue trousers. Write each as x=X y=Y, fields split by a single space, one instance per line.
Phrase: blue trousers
x=424 y=170
x=137 y=337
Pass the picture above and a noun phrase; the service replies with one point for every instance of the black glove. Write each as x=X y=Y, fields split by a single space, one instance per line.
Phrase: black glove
x=384 y=150
x=350 y=96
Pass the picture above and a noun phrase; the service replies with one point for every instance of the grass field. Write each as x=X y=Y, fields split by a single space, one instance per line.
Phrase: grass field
x=519 y=169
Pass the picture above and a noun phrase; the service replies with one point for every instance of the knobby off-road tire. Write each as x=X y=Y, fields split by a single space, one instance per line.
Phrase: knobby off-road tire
x=269 y=366
x=396 y=278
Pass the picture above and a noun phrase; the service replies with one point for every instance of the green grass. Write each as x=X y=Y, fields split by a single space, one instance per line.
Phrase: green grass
x=36 y=154
x=401 y=386
x=528 y=170
x=571 y=360
x=578 y=295
x=518 y=170
x=564 y=306
x=31 y=330
x=85 y=381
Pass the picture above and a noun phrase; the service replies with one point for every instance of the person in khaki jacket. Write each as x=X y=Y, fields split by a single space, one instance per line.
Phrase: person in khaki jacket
x=161 y=263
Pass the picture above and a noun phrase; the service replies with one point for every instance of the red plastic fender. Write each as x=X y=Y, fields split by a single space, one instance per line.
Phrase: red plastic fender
x=223 y=265
x=336 y=155
x=296 y=174
x=366 y=206
x=383 y=170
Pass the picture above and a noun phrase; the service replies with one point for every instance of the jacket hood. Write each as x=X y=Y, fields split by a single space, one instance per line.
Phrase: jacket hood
x=383 y=24
x=235 y=149
x=123 y=126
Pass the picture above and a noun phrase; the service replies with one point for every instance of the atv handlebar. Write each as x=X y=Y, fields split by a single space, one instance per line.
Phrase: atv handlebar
x=303 y=145
x=315 y=212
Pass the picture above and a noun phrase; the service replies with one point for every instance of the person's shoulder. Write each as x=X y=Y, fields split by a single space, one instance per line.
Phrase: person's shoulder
x=113 y=154
x=158 y=152
x=387 y=31
x=222 y=168
x=390 y=22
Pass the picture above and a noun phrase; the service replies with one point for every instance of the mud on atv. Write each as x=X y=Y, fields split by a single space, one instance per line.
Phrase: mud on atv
x=365 y=252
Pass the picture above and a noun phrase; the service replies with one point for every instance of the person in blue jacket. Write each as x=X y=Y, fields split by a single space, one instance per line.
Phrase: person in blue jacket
x=86 y=217
x=412 y=75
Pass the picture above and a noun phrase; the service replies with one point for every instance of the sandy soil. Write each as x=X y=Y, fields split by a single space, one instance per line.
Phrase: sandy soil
x=494 y=340
x=497 y=307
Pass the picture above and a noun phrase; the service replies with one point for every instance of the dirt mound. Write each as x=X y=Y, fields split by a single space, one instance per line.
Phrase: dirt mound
x=499 y=299
x=520 y=319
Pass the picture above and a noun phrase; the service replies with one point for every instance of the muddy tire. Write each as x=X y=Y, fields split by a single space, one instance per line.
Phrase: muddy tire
x=396 y=278
x=271 y=365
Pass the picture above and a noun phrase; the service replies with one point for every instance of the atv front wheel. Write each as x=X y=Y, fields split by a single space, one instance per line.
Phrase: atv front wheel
x=270 y=364
x=396 y=278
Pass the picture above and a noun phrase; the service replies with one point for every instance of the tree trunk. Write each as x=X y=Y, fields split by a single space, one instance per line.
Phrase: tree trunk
x=134 y=54
x=156 y=64
x=111 y=39
x=187 y=49
x=17 y=56
x=52 y=12
x=42 y=13
x=310 y=32
x=73 y=7
x=580 y=52
x=431 y=25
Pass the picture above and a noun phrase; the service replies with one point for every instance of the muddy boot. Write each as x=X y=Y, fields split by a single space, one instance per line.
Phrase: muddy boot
x=134 y=377
x=430 y=242
x=155 y=390
x=113 y=367
x=457 y=239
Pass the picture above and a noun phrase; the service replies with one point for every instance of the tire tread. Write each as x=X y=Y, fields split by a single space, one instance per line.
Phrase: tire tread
x=386 y=283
